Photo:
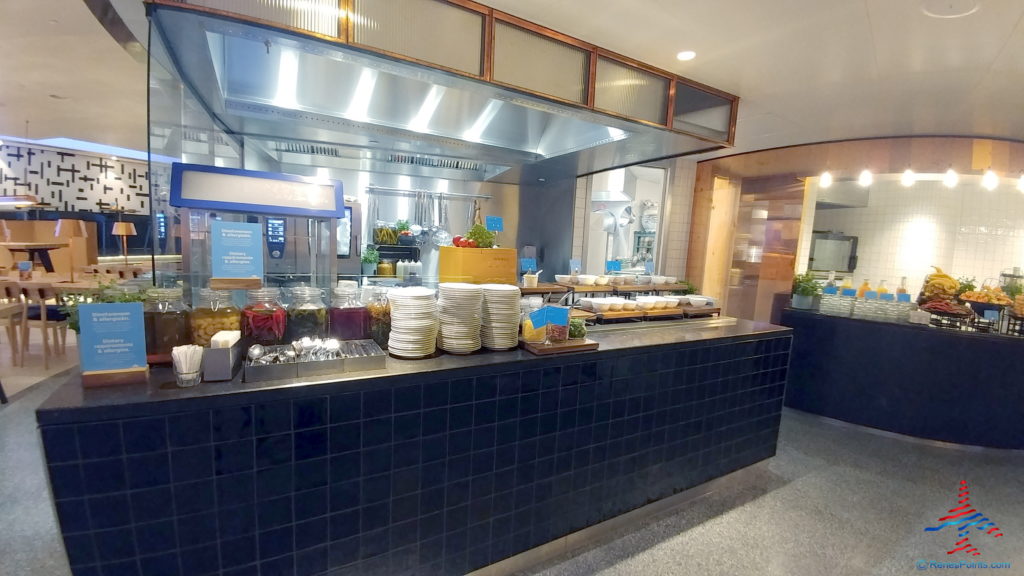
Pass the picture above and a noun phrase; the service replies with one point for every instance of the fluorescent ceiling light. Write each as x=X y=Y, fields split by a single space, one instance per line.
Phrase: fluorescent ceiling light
x=686 y=55
x=1020 y=183
x=287 y=79
x=359 y=107
x=908 y=178
x=477 y=130
x=989 y=181
x=866 y=178
x=950 y=178
x=825 y=180
x=427 y=109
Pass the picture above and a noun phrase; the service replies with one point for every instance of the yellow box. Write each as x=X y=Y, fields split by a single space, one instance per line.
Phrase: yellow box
x=478 y=265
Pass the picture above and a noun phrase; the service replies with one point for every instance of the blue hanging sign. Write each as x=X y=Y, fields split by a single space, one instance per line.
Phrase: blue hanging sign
x=111 y=336
x=237 y=250
x=613 y=266
x=832 y=290
x=558 y=316
x=495 y=223
x=574 y=265
x=539 y=317
x=528 y=264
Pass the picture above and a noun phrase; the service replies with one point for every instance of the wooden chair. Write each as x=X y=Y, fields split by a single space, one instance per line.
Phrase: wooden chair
x=47 y=317
x=12 y=317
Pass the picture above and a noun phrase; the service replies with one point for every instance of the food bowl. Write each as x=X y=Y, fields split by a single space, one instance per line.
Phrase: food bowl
x=586 y=279
x=658 y=280
x=671 y=280
x=586 y=304
x=675 y=301
x=615 y=304
x=600 y=304
x=616 y=280
x=629 y=305
x=660 y=303
x=643 y=280
x=563 y=278
x=698 y=301
x=602 y=280
x=645 y=302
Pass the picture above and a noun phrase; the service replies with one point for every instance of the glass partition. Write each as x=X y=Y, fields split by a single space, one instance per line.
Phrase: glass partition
x=624 y=217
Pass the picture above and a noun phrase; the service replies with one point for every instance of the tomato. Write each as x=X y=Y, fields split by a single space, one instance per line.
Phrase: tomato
x=471 y=243
x=457 y=241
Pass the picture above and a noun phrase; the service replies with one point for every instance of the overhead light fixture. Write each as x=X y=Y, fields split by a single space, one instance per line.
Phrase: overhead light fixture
x=989 y=181
x=950 y=178
x=686 y=55
x=113 y=158
x=18 y=201
x=825 y=180
x=866 y=178
x=1020 y=182
x=908 y=178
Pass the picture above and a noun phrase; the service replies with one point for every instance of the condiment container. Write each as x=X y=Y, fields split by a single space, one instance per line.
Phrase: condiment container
x=264 y=318
x=166 y=319
x=214 y=312
x=348 y=318
x=380 y=318
x=307 y=314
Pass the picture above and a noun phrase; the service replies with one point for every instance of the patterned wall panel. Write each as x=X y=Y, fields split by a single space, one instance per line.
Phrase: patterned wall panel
x=73 y=181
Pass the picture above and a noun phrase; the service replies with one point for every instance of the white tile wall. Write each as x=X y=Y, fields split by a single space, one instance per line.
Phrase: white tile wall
x=967 y=231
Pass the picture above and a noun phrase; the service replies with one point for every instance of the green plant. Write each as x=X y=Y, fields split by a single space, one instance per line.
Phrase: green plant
x=1013 y=288
x=106 y=293
x=484 y=238
x=402 y=225
x=805 y=285
x=370 y=255
x=688 y=288
x=577 y=328
x=966 y=285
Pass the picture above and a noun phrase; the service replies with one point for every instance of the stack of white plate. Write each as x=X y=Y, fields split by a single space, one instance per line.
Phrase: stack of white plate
x=499 y=329
x=458 y=313
x=413 y=322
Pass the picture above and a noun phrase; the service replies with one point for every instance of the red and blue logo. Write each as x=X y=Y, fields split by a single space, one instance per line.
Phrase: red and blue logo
x=963 y=518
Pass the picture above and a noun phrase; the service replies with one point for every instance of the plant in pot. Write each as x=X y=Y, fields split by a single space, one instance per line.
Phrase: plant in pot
x=805 y=288
x=369 y=260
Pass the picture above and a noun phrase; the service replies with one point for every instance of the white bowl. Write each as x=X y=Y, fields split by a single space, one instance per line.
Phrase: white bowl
x=601 y=304
x=698 y=301
x=671 y=280
x=645 y=302
x=660 y=303
x=615 y=304
x=586 y=304
x=586 y=279
x=563 y=278
x=641 y=280
x=629 y=305
x=658 y=280
x=602 y=280
x=675 y=301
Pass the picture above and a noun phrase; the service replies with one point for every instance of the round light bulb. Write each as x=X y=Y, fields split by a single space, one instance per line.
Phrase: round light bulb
x=1020 y=182
x=825 y=180
x=908 y=178
x=950 y=178
x=989 y=181
x=866 y=178
x=686 y=55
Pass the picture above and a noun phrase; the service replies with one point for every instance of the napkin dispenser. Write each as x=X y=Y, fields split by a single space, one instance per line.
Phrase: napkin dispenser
x=223 y=359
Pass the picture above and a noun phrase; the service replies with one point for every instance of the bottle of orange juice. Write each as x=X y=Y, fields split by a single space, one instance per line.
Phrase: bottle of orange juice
x=881 y=288
x=847 y=283
x=903 y=286
x=865 y=287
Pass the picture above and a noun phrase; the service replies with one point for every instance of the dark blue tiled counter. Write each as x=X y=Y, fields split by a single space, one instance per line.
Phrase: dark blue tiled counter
x=910 y=379
x=434 y=470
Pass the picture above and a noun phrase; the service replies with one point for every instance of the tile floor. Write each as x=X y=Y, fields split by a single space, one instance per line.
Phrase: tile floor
x=836 y=499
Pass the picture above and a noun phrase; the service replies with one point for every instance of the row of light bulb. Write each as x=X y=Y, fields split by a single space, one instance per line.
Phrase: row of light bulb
x=989 y=181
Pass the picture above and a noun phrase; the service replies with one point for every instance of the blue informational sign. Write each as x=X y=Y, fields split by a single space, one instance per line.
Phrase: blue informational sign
x=574 y=265
x=111 y=337
x=649 y=267
x=495 y=223
x=539 y=317
x=237 y=250
x=830 y=290
x=613 y=266
x=903 y=297
x=849 y=292
x=528 y=264
x=887 y=297
x=991 y=314
x=871 y=295
x=550 y=315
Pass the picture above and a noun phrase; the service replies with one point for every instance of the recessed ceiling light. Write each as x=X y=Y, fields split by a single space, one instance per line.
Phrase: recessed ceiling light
x=686 y=55
x=908 y=178
x=825 y=180
x=989 y=181
x=865 y=179
x=949 y=8
x=114 y=158
x=950 y=178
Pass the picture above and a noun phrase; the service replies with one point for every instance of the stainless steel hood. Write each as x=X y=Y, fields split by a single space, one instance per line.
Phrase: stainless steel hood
x=306 y=101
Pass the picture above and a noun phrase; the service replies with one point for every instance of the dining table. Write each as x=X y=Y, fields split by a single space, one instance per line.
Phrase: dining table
x=40 y=250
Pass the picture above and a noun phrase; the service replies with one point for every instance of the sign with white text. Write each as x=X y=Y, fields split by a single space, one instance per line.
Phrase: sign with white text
x=111 y=336
x=237 y=249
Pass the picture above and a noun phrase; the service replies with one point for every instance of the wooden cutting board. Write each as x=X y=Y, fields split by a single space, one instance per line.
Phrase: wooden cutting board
x=568 y=346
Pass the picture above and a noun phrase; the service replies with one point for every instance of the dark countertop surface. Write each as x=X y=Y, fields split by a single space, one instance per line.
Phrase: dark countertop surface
x=71 y=401
x=944 y=332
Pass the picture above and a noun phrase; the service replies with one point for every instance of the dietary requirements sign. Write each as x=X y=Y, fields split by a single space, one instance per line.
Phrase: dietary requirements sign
x=237 y=249
x=111 y=336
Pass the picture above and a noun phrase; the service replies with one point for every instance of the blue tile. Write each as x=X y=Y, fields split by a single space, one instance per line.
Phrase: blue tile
x=373 y=543
x=435 y=421
x=312 y=561
x=312 y=503
x=346 y=408
x=345 y=437
x=197 y=529
x=73 y=515
x=236 y=489
x=104 y=476
x=156 y=537
x=236 y=522
x=233 y=457
x=508 y=408
x=375 y=488
x=403 y=558
x=192 y=463
x=456 y=493
x=376 y=460
x=405 y=481
x=460 y=442
x=273 y=418
x=311 y=474
x=115 y=544
x=123 y=568
x=432 y=550
x=153 y=504
x=273 y=450
x=238 y=551
x=91 y=570
x=232 y=423
x=377 y=431
x=551 y=377
x=456 y=518
x=408 y=398
x=99 y=440
x=406 y=454
x=311 y=444
x=275 y=482
x=407 y=426
x=309 y=412
x=432 y=475
x=345 y=495
x=274 y=513
x=192 y=429
x=311 y=533
x=343 y=525
x=460 y=417
x=148 y=470
x=508 y=384
x=485 y=387
x=435 y=394
x=484 y=412
x=345 y=467
x=482 y=462
x=458 y=468
x=483 y=437
x=276 y=542
x=405 y=508
x=61 y=443
x=250 y=570
x=529 y=404
x=377 y=403
x=192 y=497
x=80 y=549
x=433 y=448
x=110 y=511
x=283 y=566
x=200 y=561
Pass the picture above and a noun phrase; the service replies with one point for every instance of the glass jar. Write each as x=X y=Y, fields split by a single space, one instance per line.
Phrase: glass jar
x=380 y=318
x=532 y=334
x=348 y=319
x=166 y=319
x=264 y=318
x=307 y=314
x=214 y=312
x=386 y=268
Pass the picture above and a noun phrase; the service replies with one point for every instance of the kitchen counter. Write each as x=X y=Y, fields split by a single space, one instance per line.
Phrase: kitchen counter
x=916 y=380
x=437 y=466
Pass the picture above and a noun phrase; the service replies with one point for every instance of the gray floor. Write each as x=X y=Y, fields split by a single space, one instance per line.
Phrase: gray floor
x=835 y=500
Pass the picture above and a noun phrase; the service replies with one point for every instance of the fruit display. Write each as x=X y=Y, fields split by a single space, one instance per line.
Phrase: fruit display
x=987 y=295
x=939 y=286
x=477 y=237
x=945 y=307
x=1018 y=305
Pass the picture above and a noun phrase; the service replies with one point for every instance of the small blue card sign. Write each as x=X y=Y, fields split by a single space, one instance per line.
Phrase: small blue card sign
x=991 y=314
x=613 y=266
x=528 y=264
x=887 y=297
x=649 y=267
x=111 y=337
x=903 y=297
x=558 y=316
x=849 y=292
x=830 y=290
x=871 y=295
x=237 y=250
x=539 y=317
x=574 y=265
x=495 y=223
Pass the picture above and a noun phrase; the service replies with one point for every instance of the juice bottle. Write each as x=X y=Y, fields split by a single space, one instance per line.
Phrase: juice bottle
x=903 y=286
x=831 y=282
x=847 y=283
x=865 y=287
x=881 y=288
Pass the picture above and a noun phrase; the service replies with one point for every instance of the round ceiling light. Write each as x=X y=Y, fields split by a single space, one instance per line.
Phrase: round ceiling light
x=866 y=178
x=686 y=55
x=825 y=180
x=946 y=9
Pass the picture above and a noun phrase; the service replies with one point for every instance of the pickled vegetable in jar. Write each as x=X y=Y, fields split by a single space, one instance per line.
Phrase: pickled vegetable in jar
x=557 y=333
x=307 y=314
x=531 y=334
x=386 y=268
x=166 y=318
x=380 y=319
x=264 y=318
x=214 y=312
x=348 y=319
